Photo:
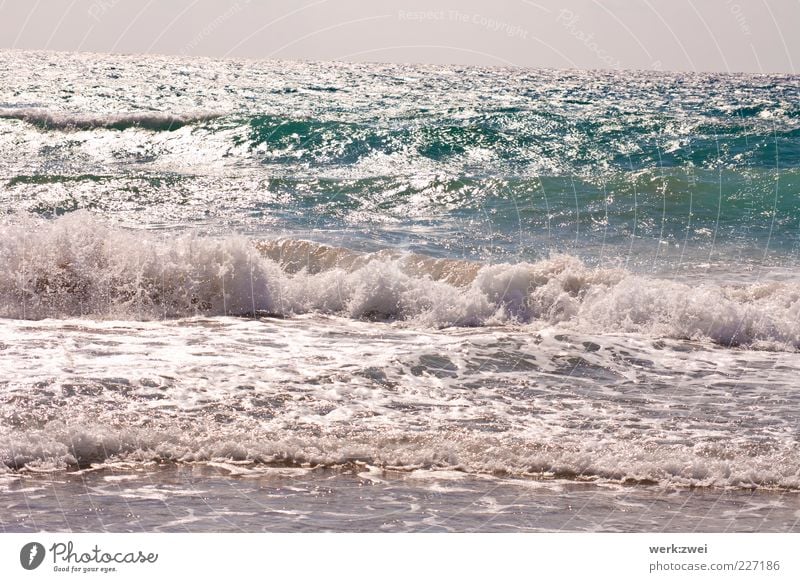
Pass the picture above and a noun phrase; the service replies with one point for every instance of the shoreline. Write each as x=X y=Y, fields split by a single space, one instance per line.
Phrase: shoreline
x=195 y=498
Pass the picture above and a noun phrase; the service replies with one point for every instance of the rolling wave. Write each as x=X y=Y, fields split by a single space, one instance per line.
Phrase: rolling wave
x=554 y=143
x=63 y=121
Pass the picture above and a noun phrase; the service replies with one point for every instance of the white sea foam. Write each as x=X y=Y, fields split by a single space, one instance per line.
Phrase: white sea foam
x=328 y=391
x=77 y=266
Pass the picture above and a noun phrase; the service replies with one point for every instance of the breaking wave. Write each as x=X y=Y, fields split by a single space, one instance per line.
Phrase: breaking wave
x=59 y=447
x=77 y=266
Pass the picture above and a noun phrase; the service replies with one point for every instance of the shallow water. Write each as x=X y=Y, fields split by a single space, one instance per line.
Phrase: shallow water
x=237 y=498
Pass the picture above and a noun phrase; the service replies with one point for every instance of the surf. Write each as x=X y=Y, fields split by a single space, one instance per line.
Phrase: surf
x=79 y=266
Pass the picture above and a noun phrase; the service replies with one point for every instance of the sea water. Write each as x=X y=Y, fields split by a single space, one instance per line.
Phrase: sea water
x=277 y=296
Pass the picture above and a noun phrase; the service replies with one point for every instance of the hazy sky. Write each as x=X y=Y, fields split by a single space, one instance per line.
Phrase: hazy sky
x=693 y=35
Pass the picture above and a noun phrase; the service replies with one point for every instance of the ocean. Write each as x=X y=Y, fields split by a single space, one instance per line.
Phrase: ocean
x=303 y=296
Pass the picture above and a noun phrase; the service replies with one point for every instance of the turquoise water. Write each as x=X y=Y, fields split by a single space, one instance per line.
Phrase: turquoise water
x=405 y=156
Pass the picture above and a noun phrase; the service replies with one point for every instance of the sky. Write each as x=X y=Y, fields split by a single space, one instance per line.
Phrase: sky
x=682 y=35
